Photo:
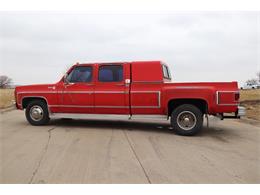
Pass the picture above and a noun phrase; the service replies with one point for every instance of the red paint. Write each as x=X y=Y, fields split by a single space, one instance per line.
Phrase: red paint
x=148 y=92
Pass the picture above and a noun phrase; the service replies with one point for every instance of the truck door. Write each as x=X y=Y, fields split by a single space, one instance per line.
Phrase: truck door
x=78 y=94
x=112 y=89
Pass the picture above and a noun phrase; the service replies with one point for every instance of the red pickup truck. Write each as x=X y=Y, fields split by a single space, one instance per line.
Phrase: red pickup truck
x=132 y=90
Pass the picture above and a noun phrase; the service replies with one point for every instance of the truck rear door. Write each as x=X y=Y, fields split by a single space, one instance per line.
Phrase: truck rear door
x=111 y=90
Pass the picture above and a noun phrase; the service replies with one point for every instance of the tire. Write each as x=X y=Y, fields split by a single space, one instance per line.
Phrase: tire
x=187 y=120
x=37 y=113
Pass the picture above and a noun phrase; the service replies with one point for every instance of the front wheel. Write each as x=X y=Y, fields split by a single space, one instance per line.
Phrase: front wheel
x=37 y=113
x=187 y=119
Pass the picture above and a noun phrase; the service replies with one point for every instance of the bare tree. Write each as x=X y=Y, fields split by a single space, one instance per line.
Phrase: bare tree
x=251 y=82
x=5 y=81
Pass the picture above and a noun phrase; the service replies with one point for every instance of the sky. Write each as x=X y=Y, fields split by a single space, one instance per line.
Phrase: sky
x=38 y=47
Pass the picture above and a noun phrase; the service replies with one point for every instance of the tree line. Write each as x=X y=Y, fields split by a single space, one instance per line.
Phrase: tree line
x=254 y=81
x=5 y=81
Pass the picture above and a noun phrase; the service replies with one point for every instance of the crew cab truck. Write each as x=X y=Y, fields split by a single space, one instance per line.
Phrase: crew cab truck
x=132 y=90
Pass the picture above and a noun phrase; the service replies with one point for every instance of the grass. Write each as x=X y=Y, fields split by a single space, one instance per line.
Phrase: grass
x=249 y=99
x=6 y=98
x=249 y=95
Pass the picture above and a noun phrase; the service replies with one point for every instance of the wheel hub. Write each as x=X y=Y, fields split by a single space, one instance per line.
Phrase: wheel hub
x=36 y=113
x=186 y=120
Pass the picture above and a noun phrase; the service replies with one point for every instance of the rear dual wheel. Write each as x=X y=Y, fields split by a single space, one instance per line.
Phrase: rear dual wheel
x=187 y=119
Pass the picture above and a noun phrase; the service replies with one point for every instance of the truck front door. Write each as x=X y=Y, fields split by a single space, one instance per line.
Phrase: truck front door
x=78 y=93
x=111 y=89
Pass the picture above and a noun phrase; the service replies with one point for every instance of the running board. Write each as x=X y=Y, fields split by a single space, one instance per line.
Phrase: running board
x=107 y=116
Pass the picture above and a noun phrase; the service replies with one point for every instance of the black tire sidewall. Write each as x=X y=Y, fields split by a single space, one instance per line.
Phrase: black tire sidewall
x=44 y=107
x=191 y=108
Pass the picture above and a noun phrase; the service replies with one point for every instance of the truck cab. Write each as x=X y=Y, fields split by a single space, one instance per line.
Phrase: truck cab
x=128 y=89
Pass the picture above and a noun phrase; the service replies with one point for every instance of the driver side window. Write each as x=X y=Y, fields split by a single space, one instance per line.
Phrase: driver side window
x=80 y=74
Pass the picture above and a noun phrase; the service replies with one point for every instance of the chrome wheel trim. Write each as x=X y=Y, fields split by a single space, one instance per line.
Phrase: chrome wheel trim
x=186 y=120
x=36 y=113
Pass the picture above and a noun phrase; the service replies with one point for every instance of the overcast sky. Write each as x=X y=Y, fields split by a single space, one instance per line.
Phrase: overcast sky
x=38 y=47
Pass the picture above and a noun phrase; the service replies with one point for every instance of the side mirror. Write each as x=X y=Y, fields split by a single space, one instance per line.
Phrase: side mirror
x=65 y=79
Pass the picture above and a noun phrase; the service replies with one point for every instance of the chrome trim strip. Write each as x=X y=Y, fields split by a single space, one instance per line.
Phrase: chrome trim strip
x=78 y=106
x=217 y=98
x=145 y=107
x=118 y=92
x=74 y=92
x=147 y=82
x=229 y=91
x=159 y=99
x=228 y=104
x=145 y=91
x=70 y=106
x=102 y=106
x=24 y=92
x=111 y=106
x=148 y=116
x=88 y=116
x=192 y=87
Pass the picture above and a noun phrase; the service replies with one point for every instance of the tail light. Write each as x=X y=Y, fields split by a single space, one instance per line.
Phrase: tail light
x=237 y=96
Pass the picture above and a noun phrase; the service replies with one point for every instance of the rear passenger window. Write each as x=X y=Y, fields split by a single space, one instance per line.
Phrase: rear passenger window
x=110 y=73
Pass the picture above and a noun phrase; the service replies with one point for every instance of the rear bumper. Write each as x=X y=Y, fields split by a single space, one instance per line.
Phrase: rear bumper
x=241 y=111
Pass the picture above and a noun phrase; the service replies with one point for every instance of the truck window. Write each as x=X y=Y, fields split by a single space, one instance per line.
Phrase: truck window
x=110 y=73
x=166 y=73
x=80 y=74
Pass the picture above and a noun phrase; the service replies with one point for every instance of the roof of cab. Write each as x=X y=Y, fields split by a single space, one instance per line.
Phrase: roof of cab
x=113 y=63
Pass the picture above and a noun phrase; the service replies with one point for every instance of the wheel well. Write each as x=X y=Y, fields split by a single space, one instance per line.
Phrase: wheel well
x=199 y=103
x=27 y=100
